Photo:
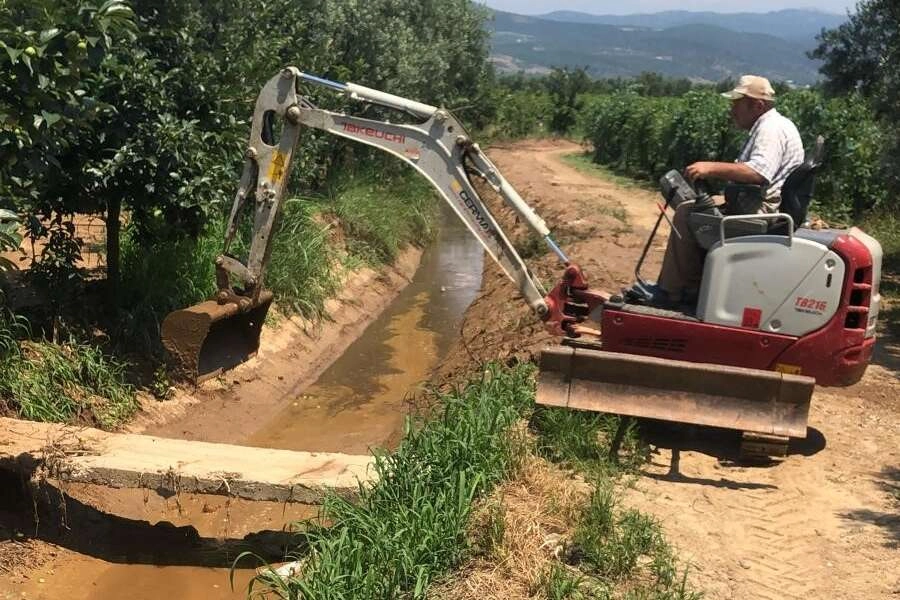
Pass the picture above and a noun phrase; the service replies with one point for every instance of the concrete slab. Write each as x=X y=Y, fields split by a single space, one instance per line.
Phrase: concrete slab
x=170 y=466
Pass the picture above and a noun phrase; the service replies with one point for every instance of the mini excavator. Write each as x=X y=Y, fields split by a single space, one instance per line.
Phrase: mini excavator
x=781 y=307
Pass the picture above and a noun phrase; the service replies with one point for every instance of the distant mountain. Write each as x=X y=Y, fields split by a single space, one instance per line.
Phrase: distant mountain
x=790 y=24
x=697 y=51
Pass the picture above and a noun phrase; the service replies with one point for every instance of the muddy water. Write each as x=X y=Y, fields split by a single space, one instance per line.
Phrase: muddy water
x=357 y=404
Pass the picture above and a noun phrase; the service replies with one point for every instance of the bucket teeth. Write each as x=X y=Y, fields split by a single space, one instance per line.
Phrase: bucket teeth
x=206 y=339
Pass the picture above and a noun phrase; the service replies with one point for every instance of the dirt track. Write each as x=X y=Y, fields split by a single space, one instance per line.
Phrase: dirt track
x=824 y=523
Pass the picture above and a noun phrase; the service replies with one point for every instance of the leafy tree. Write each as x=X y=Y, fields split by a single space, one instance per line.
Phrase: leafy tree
x=141 y=113
x=565 y=85
x=9 y=238
x=863 y=55
x=50 y=52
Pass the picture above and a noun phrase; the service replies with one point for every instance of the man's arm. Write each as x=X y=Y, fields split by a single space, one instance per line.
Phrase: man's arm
x=737 y=172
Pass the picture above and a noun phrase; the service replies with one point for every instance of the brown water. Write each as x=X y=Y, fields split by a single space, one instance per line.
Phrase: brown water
x=357 y=404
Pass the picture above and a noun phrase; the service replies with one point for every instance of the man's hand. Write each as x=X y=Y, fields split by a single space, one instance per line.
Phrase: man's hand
x=700 y=170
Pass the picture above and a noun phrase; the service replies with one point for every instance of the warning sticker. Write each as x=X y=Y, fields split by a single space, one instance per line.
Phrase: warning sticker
x=276 y=169
x=789 y=369
x=752 y=317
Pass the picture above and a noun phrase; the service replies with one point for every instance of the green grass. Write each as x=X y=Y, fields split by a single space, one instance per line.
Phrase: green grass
x=42 y=381
x=613 y=541
x=381 y=215
x=560 y=583
x=302 y=272
x=581 y=440
x=410 y=526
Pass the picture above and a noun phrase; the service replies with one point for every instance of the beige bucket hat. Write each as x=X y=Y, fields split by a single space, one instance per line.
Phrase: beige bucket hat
x=753 y=86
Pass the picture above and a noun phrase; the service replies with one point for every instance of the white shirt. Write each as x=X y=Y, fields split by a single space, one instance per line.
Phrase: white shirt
x=773 y=150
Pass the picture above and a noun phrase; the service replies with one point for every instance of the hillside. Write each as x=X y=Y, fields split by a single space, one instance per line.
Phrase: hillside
x=697 y=51
x=790 y=24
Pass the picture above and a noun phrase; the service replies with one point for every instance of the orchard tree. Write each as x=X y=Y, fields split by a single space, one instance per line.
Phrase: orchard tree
x=863 y=55
x=141 y=109
x=565 y=85
x=94 y=122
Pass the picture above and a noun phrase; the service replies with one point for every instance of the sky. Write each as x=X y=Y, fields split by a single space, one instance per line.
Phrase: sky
x=616 y=7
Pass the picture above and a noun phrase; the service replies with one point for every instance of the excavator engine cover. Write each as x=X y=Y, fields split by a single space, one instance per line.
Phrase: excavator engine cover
x=208 y=338
x=748 y=400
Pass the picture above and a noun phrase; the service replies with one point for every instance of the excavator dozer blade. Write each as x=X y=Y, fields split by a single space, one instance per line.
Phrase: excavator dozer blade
x=208 y=338
x=749 y=400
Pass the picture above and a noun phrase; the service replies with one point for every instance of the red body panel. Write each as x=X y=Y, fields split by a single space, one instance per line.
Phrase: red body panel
x=650 y=335
x=835 y=355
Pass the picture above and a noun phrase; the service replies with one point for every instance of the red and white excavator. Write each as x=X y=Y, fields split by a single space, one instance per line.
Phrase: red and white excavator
x=781 y=307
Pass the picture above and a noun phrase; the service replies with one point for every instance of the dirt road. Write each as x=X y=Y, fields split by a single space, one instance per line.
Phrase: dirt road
x=823 y=523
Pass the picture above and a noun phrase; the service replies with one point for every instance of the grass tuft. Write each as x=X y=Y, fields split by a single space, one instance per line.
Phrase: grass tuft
x=612 y=542
x=581 y=440
x=559 y=583
x=41 y=381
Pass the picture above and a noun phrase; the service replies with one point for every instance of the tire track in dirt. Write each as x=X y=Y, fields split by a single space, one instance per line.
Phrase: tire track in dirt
x=778 y=564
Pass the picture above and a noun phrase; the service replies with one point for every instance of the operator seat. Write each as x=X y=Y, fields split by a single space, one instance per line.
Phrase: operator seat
x=797 y=191
x=745 y=199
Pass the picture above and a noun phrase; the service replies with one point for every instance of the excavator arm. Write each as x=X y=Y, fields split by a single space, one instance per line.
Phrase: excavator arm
x=438 y=148
x=207 y=338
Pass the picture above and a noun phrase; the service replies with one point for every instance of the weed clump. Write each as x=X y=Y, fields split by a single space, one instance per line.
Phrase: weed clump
x=41 y=381
x=583 y=441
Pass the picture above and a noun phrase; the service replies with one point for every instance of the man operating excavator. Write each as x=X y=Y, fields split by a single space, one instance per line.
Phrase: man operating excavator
x=771 y=152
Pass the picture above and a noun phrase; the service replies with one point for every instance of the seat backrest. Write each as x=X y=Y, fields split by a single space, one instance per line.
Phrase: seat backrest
x=797 y=191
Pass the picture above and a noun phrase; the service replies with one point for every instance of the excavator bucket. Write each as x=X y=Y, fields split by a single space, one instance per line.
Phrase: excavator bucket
x=764 y=403
x=208 y=338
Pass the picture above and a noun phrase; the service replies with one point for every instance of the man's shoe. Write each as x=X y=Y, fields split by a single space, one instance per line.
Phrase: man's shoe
x=648 y=293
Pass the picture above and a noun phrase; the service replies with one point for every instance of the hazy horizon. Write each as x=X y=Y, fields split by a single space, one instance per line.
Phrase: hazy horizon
x=608 y=7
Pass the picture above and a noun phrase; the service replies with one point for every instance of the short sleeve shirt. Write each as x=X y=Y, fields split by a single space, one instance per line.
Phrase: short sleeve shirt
x=773 y=150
